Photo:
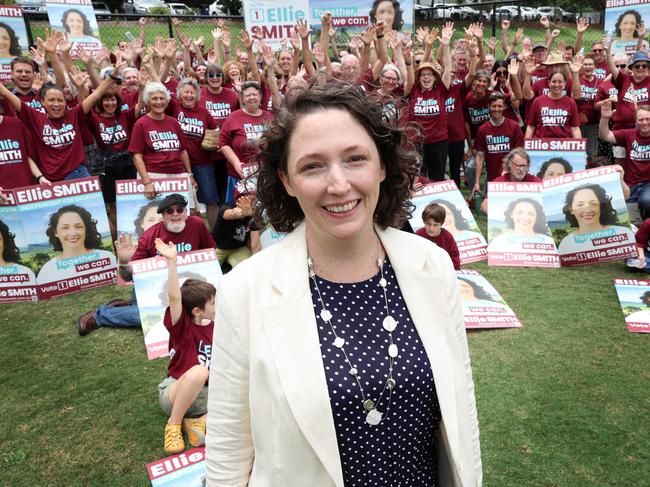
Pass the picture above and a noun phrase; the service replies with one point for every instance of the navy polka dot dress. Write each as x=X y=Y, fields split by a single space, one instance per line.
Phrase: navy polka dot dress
x=399 y=451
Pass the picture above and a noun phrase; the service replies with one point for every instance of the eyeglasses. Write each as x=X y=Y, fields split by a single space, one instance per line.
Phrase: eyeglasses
x=519 y=166
x=500 y=73
x=215 y=75
x=620 y=66
x=640 y=66
x=174 y=209
x=597 y=50
x=394 y=80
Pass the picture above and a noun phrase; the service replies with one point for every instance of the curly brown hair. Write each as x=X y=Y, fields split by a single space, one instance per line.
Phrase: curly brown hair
x=400 y=163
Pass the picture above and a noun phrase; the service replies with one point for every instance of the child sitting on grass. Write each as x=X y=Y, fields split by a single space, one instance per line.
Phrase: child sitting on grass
x=189 y=320
x=433 y=217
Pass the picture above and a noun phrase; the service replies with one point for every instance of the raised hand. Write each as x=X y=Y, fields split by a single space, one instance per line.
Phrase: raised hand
x=268 y=55
x=529 y=64
x=78 y=77
x=519 y=35
x=606 y=109
x=447 y=32
x=513 y=68
x=295 y=40
x=544 y=21
x=319 y=53
x=505 y=24
x=492 y=43
x=421 y=34
x=368 y=35
x=37 y=55
x=302 y=27
x=245 y=39
x=167 y=250
x=64 y=44
x=582 y=25
x=555 y=33
x=576 y=64
x=124 y=248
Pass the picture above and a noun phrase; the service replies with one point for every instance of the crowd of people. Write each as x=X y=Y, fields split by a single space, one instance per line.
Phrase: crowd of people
x=334 y=139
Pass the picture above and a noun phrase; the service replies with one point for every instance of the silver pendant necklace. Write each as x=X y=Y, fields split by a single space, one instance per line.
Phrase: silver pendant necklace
x=373 y=415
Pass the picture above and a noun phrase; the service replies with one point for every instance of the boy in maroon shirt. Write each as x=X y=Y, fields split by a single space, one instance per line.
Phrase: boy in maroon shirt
x=189 y=320
x=433 y=217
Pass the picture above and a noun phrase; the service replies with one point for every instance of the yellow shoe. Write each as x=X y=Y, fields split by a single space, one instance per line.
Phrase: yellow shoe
x=195 y=430
x=174 y=439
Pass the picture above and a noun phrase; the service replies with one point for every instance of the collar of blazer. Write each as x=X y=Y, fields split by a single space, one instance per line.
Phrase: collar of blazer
x=291 y=326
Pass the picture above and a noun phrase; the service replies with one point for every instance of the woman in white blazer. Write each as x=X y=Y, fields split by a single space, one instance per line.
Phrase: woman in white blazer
x=340 y=356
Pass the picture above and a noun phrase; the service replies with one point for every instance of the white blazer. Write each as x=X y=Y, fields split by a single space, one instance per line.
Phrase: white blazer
x=270 y=422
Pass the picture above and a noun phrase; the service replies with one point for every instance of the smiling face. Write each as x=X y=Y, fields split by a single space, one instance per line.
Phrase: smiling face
x=233 y=72
x=54 y=103
x=75 y=24
x=556 y=85
x=524 y=216
x=285 y=61
x=5 y=42
x=151 y=217
x=174 y=218
x=466 y=291
x=586 y=208
x=496 y=110
x=251 y=98
x=554 y=169
x=157 y=103
x=461 y=61
x=334 y=171
x=480 y=85
x=22 y=76
x=643 y=122
x=71 y=232
x=386 y=12
x=389 y=80
x=109 y=104
x=628 y=27
x=188 y=96
x=588 y=66
x=427 y=78
x=131 y=79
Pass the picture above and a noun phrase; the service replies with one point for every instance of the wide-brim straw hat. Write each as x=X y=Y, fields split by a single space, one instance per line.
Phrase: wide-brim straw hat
x=426 y=65
x=554 y=57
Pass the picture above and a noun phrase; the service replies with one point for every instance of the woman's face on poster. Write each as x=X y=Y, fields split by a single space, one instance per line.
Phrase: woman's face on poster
x=628 y=26
x=466 y=291
x=586 y=208
x=5 y=42
x=450 y=221
x=75 y=24
x=386 y=12
x=553 y=169
x=151 y=217
x=71 y=231
x=524 y=216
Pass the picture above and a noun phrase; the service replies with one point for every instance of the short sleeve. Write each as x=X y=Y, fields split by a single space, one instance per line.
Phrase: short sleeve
x=136 y=144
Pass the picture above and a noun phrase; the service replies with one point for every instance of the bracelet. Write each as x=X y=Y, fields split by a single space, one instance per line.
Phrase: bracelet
x=379 y=36
x=150 y=182
x=226 y=51
x=408 y=64
x=114 y=78
x=39 y=177
x=190 y=174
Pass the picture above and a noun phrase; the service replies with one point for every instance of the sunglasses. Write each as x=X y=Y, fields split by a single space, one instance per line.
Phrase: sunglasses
x=640 y=66
x=500 y=73
x=621 y=66
x=417 y=61
x=215 y=75
x=174 y=209
x=598 y=50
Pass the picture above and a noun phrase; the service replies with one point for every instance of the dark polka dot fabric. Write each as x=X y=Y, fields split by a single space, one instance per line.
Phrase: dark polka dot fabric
x=399 y=451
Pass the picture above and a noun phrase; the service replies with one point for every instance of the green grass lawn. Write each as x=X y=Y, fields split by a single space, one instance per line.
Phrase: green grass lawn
x=562 y=401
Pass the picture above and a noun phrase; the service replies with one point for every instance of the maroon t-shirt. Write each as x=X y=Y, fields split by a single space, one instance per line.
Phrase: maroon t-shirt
x=428 y=109
x=87 y=134
x=454 y=105
x=495 y=141
x=194 y=122
x=195 y=236
x=624 y=115
x=104 y=128
x=446 y=242
x=129 y=98
x=588 y=91
x=642 y=236
x=219 y=105
x=240 y=132
x=14 y=151
x=189 y=344
x=528 y=178
x=160 y=142
x=605 y=90
x=552 y=118
x=601 y=71
x=57 y=142
x=541 y=87
x=637 y=165
x=32 y=98
x=541 y=72
x=476 y=110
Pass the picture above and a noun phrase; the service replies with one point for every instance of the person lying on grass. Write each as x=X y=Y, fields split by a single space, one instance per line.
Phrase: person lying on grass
x=189 y=320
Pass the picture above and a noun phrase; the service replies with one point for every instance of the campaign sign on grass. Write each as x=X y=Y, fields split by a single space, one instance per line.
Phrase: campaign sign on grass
x=17 y=280
x=351 y=17
x=77 y=19
x=588 y=218
x=622 y=17
x=150 y=280
x=634 y=296
x=553 y=157
x=69 y=244
x=459 y=220
x=273 y=20
x=13 y=38
x=186 y=469
x=483 y=306
x=517 y=230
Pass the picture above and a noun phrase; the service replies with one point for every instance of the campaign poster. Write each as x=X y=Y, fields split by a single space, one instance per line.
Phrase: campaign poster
x=622 y=17
x=634 y=296
x=69 y=244
x=274 y=20
x=150 y=280
x=554 y=157
x=588 y=218
x=186 y=469
x=77 y=19
x=13 y=38
x=459 y=220
x=351 y=17
x=483 y=306
x=17 y=280
x=517 y=231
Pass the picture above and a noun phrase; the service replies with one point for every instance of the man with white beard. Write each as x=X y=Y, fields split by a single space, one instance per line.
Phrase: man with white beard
x=186 y=232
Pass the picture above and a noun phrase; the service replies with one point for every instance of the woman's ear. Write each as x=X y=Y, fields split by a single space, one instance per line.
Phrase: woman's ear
x=285 y=182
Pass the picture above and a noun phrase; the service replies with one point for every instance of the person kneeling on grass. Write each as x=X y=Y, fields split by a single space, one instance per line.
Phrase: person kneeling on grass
x=433 y=217
x=190 y=322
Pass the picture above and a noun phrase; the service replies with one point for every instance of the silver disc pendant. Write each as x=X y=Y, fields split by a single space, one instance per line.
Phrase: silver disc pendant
x=390 y=383
x=339 y=342
x=392 y=350
x=373 y=417
x=389 y=324
x=354 y=371
x=382 y=282
x=368 y=404
x=325 y=315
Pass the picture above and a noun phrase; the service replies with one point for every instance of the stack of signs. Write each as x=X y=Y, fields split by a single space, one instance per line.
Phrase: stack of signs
x=135 y=212
x=483 y=307
x=588 y=218
x=150 y=279
x=554 y=157
x=186 y=469
x=13 y=38
x=517 y=230
x=459 y=220
x=634 y=296
x=77 y=19
x=622 y=17
x=56 y=241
